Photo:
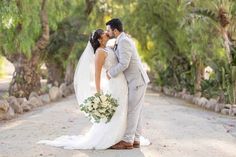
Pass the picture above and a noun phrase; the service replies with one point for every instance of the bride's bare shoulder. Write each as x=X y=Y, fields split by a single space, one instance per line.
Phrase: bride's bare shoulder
x=101 y=52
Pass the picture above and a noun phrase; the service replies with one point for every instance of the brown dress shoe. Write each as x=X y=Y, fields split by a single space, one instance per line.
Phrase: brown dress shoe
x=136 y=144
x=122 y=145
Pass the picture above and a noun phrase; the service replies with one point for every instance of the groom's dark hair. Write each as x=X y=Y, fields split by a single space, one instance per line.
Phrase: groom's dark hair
x=115 y=24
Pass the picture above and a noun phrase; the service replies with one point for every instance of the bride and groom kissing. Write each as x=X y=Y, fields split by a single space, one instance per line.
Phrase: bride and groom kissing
x=126 y=80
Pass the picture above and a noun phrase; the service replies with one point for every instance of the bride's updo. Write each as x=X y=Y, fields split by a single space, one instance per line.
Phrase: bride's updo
x=94 y=39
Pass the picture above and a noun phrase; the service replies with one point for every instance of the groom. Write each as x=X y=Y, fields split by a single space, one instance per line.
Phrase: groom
x=129 y=63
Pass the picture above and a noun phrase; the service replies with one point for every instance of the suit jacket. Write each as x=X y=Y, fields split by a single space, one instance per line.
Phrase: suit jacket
x=129 y=62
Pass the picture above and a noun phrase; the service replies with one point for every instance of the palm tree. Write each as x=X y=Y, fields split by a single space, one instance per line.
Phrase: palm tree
x=222 y=16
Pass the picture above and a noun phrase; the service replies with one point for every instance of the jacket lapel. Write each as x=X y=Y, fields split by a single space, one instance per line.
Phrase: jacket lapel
x=117 y=42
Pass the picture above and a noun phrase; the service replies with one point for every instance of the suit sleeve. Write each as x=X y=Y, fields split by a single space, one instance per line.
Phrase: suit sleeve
x=125 y=52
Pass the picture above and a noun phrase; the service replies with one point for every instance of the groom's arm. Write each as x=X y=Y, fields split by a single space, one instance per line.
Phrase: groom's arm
x=125 y=52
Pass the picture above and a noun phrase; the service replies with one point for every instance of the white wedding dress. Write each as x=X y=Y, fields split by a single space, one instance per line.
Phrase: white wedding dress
x=103 y=135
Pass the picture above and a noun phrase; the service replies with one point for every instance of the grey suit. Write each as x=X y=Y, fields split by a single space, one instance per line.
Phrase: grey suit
x=137 y=79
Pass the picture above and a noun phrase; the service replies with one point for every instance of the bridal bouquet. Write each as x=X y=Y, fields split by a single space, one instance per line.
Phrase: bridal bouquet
x=99 y=108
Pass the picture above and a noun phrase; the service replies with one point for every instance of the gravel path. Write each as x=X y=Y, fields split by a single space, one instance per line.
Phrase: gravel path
x=176 y=129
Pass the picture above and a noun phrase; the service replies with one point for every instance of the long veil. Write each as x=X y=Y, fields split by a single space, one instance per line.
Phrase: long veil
x=84 y=82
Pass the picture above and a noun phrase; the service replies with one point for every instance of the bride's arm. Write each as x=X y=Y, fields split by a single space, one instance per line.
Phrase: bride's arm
x=100 y=57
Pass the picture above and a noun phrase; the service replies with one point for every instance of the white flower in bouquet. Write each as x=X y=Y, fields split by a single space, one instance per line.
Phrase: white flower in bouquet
x=97 y=113
x=105 y=104
x=90 y=108
x=103 y=98
x=96 y=100
x=95 y=106
x=102 y=110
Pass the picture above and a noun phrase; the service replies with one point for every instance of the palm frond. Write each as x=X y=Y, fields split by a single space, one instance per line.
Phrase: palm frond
x=206 y=13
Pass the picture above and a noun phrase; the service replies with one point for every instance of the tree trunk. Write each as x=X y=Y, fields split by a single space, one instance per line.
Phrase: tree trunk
x=25 y=78
x=69 y=75
x=89 y=6
x=198 y=76
x=198 y=73
x=227 y=44
x=55 y=73
x=234 y=83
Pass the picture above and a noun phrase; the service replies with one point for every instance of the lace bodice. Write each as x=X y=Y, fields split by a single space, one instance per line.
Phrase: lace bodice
x=111 y=58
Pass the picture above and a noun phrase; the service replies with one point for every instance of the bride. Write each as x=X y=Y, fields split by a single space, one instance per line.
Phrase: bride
x=90 y=77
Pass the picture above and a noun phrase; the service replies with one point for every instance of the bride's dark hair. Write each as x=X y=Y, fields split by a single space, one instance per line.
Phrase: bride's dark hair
x=94 y=39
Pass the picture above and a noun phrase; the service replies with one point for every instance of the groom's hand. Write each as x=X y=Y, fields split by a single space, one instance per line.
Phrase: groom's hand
x=108 y=76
